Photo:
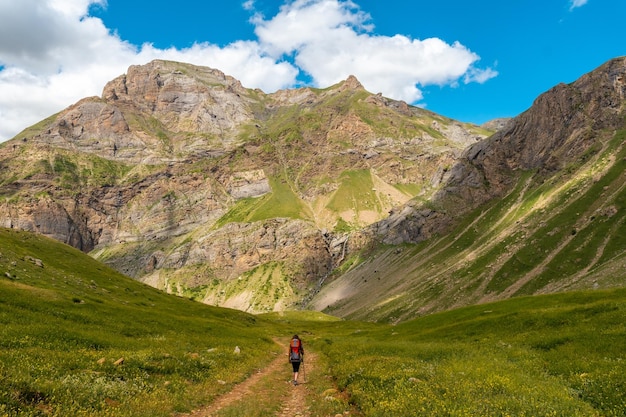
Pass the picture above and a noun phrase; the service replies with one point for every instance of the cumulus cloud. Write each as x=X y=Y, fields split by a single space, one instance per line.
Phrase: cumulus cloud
x=248 y=5
x=331 y=39
x=72 y=55
x=45 y=69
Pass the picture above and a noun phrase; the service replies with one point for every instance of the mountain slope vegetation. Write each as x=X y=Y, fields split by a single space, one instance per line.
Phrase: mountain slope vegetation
x=543 y=236
x=333 y=199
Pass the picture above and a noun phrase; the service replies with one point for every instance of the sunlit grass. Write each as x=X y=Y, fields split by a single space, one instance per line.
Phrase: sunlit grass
x=280 y=202
x=66 y=323
x=355 y=192
x=65 y=320
x=541 y=356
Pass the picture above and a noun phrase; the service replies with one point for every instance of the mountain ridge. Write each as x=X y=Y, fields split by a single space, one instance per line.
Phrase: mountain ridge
x=274 y=201
x=532 y=141
x=174 y=156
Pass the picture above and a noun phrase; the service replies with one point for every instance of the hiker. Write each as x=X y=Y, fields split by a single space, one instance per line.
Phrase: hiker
x=296 y=356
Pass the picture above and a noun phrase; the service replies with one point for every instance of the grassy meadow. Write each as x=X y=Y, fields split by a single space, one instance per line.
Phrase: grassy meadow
x=67 y=320
x=554 y=355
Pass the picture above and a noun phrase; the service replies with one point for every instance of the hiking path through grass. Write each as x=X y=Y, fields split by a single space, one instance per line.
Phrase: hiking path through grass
x=270 y=391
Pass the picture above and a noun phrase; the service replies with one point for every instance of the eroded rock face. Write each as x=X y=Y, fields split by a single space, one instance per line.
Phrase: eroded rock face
x=159 y=112
x=48 y=218
x=553 y=133
x=191 y=99
x=94 y=126
x=549 y=135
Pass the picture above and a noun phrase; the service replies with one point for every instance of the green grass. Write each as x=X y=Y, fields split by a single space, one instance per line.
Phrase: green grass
x=281 y=202
x=65 y=319
x=266 y=286
x=66 y=323
x=356 y=192
x=553 y=355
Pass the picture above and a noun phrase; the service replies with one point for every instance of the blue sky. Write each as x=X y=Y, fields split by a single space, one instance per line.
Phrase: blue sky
x=471 y=61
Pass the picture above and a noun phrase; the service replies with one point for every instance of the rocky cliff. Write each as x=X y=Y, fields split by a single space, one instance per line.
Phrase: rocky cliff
x=537 y=207
x=562 y=125
x=181 y=177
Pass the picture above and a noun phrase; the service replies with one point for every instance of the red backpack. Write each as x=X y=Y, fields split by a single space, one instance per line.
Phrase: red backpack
x=295 y=351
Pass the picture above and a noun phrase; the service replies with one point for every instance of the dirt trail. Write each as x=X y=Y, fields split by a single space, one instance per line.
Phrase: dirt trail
x=279 y=372
x=295 y=403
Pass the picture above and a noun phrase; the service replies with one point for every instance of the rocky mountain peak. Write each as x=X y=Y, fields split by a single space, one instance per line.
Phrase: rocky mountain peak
x=184 y=97
x=159 y=112
x=352 y=83
x=145 y=82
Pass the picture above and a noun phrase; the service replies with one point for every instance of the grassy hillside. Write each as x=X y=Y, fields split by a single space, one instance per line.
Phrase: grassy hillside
x=67 y=319
x=548 y=234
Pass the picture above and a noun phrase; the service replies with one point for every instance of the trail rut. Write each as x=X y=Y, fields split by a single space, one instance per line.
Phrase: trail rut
x=268 y=384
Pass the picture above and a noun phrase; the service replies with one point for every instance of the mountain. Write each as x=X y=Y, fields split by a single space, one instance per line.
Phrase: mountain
x=538 y=207
x=180 y=177
x=333 y=199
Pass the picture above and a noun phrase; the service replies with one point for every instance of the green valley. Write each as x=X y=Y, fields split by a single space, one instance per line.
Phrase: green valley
x=78 y=338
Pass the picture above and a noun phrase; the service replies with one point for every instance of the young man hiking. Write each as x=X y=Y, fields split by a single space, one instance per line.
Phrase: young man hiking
x=296 y=356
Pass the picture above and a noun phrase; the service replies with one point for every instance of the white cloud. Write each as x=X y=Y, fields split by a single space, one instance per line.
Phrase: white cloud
x=331 y=39
x=307 y=22
x=577 y=3
x=72 y=55
x=68 y=56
